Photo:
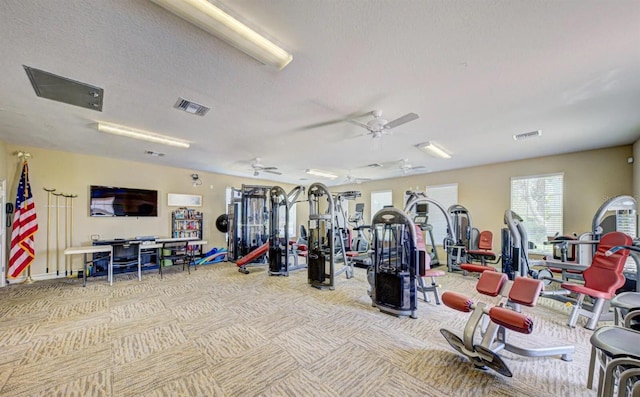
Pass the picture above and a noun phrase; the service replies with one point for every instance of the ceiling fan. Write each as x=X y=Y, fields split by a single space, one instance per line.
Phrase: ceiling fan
x=352 y=179
x=258 y=167
x=379 y=126
x=406 y=167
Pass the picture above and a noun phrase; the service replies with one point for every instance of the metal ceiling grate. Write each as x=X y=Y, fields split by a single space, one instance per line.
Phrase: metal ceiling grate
x=527 y=135
x=191 y=107
x=62 y=89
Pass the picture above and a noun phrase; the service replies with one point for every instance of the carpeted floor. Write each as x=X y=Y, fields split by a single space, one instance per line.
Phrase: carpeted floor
x=217 y=332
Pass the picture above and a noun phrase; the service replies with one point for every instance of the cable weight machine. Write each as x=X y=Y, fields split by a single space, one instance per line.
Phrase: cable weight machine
x=395 y=263
x=325 y=256
x=282 y=257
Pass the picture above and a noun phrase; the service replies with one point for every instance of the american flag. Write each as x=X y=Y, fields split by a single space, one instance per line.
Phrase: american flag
x=25 y=225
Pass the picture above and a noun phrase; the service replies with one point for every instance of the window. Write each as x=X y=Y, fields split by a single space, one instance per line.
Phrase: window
x=379 y=200
x=292 y=220
x=538 y=201
x=447 y=195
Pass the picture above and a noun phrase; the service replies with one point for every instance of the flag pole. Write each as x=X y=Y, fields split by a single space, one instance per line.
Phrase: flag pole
x=49 y=191
x=23 y=156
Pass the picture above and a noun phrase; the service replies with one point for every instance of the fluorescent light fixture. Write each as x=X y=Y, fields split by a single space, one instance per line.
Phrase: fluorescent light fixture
x=213 y=20
x=140 y=134
x=434 y=150
x=320 y=173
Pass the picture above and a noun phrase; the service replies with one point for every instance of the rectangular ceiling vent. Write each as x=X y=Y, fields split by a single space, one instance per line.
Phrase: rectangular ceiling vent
x=62 y=89
x=154 y=154
x=527 y=135
x=191 y=107
x=375 y=165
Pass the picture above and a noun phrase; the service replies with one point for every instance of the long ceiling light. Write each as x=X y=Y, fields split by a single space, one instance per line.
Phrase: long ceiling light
x=213 y=20
x=323 y=174
x=140 y=134
x=434 y=150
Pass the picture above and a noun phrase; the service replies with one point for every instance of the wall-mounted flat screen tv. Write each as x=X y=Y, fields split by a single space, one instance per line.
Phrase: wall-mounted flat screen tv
x=122 y=201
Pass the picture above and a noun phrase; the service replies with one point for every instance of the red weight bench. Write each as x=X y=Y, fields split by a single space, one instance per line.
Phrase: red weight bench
x=424 y=270
x=506 y=316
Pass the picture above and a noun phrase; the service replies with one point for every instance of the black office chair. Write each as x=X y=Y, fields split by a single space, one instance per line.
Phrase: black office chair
x=176 y=252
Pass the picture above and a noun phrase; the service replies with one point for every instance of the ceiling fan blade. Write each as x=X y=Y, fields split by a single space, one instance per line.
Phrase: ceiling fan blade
x=359 y=124
x=272 y=172
x=401 y=120
x=321 y=124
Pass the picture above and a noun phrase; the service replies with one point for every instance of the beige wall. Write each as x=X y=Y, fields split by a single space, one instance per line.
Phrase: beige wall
x=590 y=178
x=71 y=173
x=636 y=169
x=3 y=160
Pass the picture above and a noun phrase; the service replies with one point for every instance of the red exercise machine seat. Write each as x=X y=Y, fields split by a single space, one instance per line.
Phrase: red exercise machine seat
x=601 y=280
x=470 y=267
x=484 y=252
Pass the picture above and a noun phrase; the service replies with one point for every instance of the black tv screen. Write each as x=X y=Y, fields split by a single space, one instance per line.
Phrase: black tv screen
x=122 y=201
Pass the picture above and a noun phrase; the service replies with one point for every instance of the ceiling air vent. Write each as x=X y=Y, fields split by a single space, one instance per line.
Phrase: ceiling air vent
x=154 y=154
x=191 y=107
x=527 y=135
x=375 y=165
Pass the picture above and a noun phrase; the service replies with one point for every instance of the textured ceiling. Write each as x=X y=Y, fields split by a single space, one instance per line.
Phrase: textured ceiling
x=476 y=72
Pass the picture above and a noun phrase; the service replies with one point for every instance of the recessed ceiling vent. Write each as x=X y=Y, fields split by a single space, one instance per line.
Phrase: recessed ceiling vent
x=191 y=107
x=62 y=89
x=375 y=165
x=154 y=154
x=527 y=135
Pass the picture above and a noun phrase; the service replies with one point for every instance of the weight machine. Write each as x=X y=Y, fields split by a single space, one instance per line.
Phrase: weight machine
x=283 y=256
x=326 y=243
x=395 y=263
x=462 y=234
x=361 y=243
x=248 y=221
x=420 y=201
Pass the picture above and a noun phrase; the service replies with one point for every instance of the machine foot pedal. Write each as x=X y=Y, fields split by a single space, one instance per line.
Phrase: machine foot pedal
x=495 y=363
x=453 y=339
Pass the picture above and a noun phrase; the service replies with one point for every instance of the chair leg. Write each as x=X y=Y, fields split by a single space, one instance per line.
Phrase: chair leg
x=434 y=288
x=575 y=313
x=423 y=288
x=592 y=362
x=595 y=315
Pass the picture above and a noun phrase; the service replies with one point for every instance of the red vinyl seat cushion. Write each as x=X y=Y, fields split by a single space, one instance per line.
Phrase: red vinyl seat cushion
x=457 y=301
x=512 y=320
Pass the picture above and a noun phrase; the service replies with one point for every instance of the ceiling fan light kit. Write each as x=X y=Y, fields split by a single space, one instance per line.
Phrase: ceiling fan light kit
x=140 y=134
x=434 y=150
x=320 y=173
x=218 y=23
x=380 y=126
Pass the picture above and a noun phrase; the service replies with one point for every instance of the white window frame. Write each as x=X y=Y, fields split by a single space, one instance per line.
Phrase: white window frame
x=379 y=200
x=549 y=218
x=447 y=195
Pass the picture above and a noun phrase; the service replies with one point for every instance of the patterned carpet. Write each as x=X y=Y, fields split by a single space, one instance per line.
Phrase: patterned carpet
x=217 y=332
